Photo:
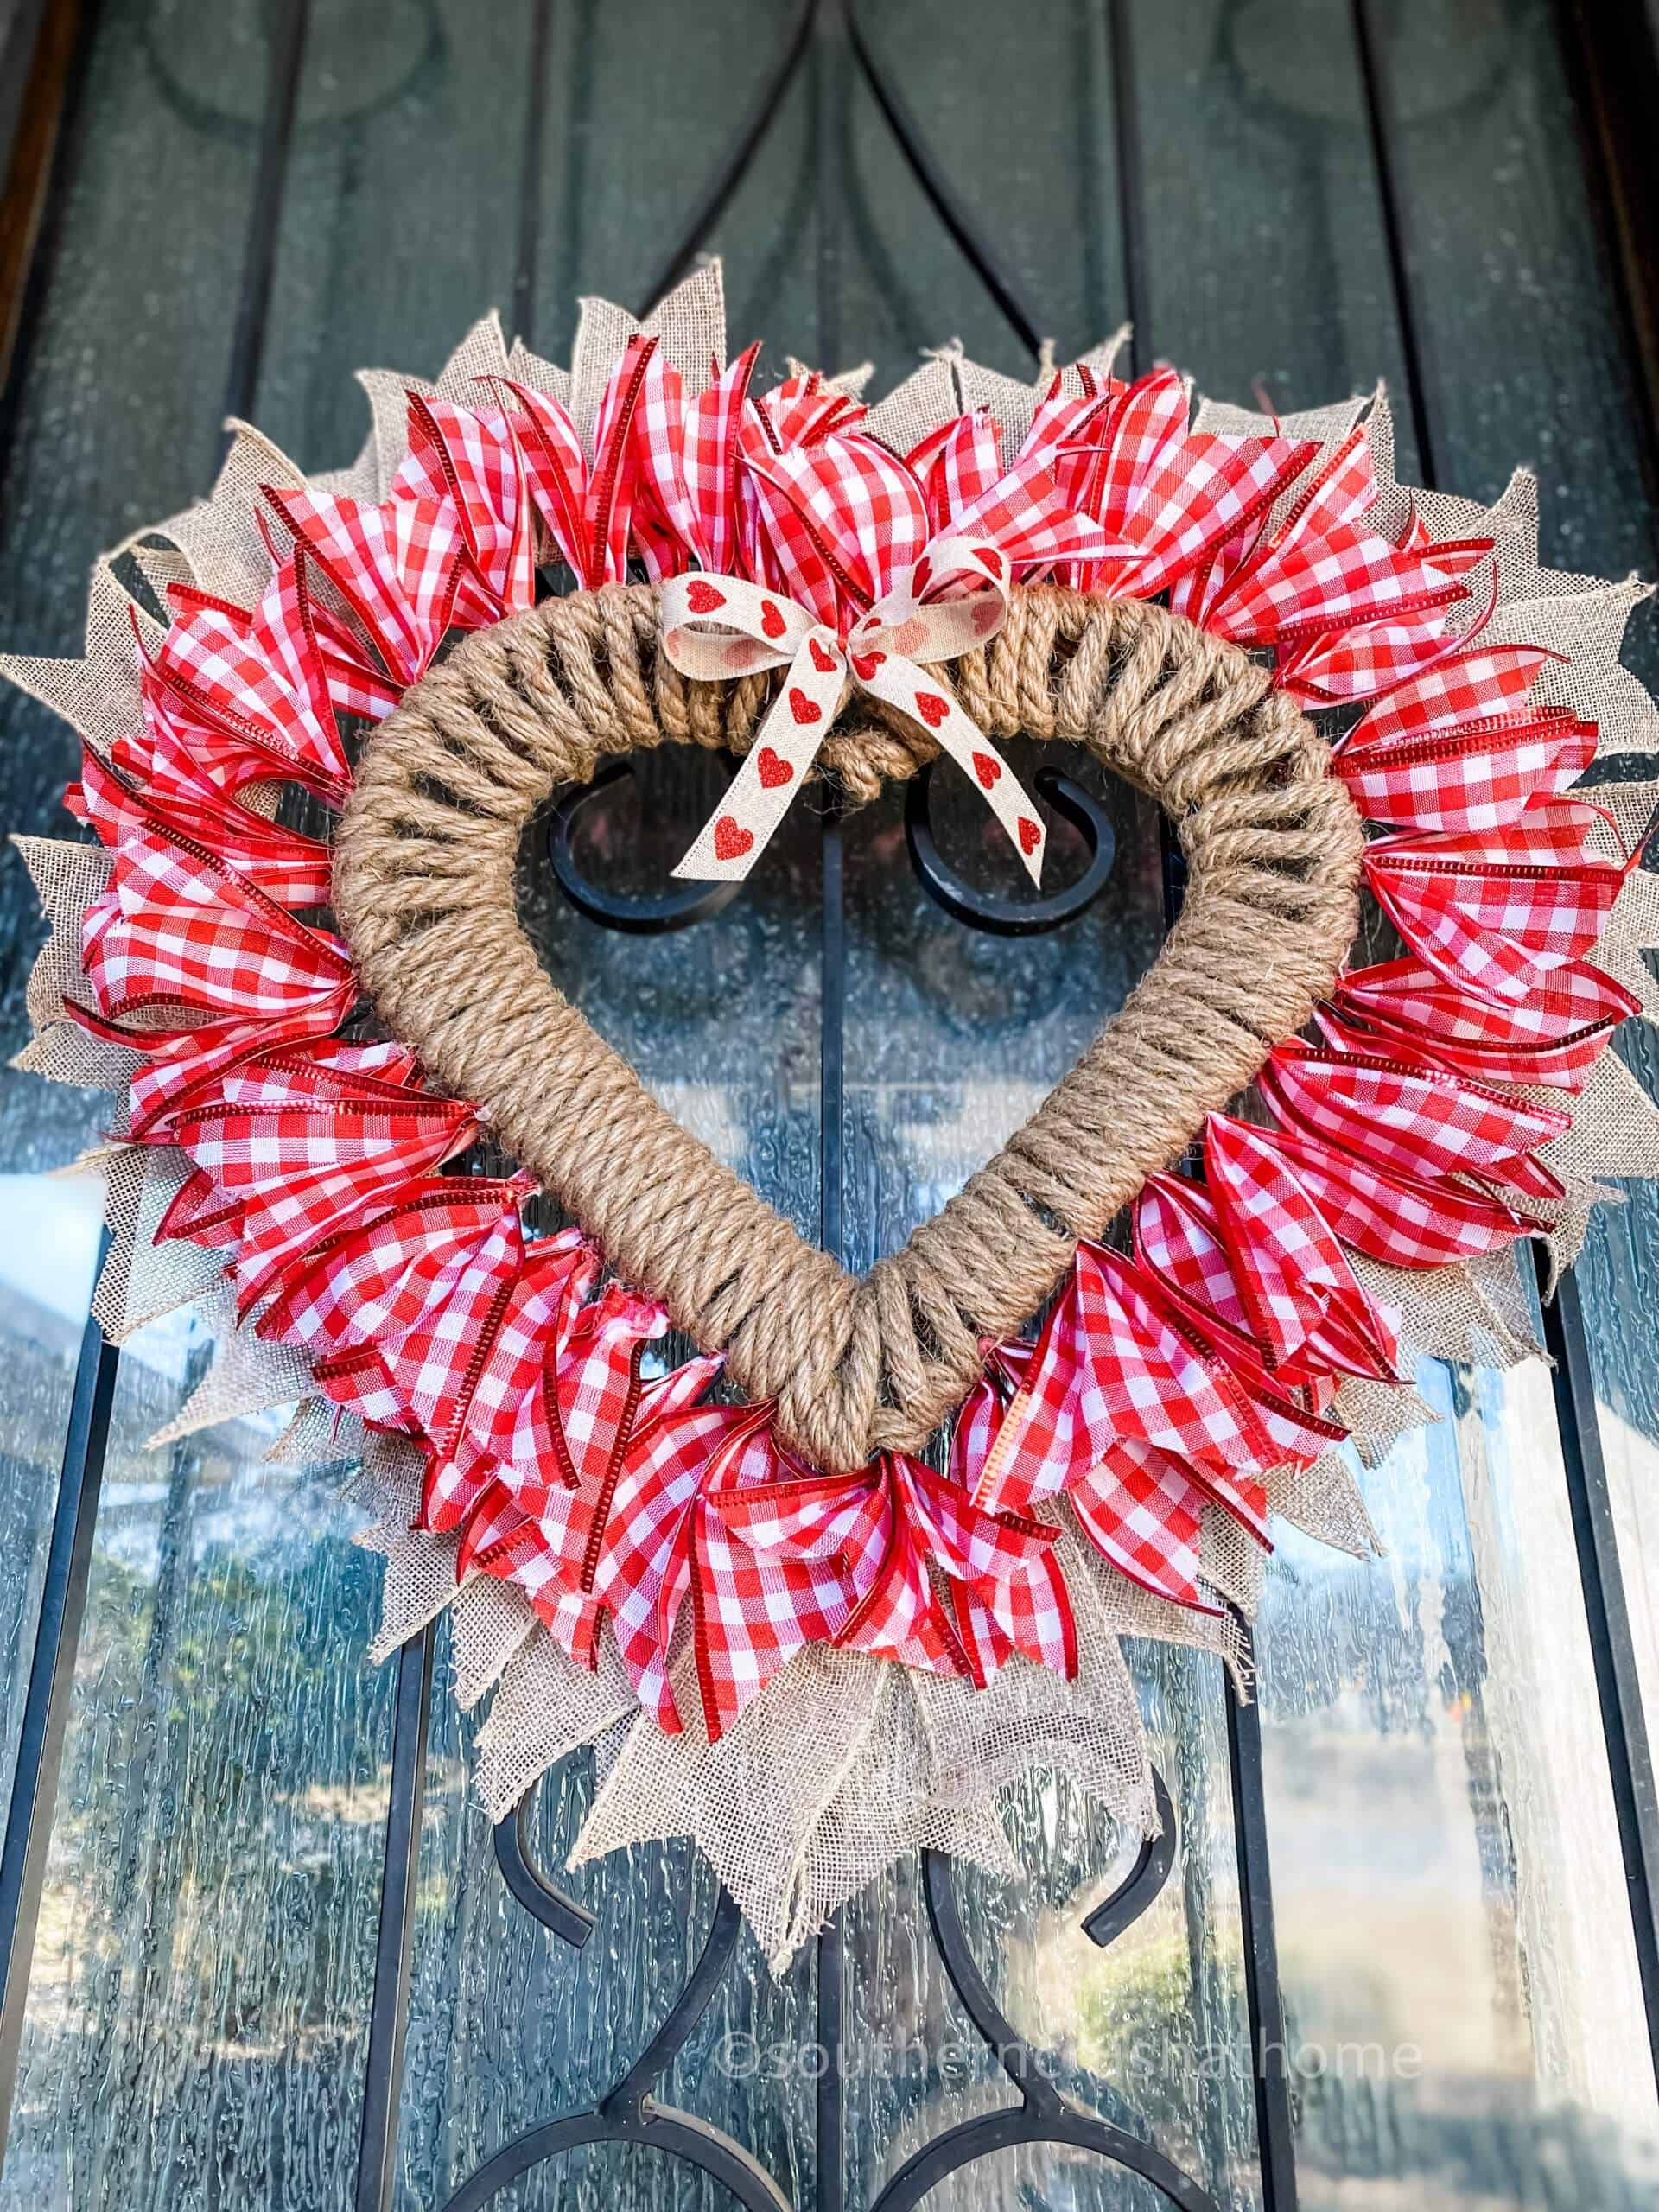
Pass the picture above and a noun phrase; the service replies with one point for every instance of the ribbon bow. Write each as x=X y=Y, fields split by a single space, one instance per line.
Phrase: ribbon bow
x=719 y=627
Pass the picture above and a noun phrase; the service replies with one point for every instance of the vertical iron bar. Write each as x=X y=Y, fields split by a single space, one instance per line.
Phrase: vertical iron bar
x=1611 y=50
x=1100 y=311
x=1612 y=1650
x=1630 y=1765
x=1394 y=241
x=270 y=174
x=63 y=1592
x=1269 y=2063
x=1131 y=214
x=830 y=2176
x=389 y=2012
x=1264 y=1998
x=580 y=80
x=51 y=1683
x=831 y=1046
x=529 y=190
x=389 y=2017
x=829 y=2166
x=393 y=1967
x=830 y=120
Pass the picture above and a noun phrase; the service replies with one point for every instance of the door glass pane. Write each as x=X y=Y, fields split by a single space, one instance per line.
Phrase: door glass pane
x=1445 y=1867
x=1556 y=385
x=1465 y=2014
x=198 y=1993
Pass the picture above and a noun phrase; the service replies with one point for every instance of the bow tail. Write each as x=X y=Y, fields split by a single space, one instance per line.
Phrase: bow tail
x=775 y=767
x=924 y=696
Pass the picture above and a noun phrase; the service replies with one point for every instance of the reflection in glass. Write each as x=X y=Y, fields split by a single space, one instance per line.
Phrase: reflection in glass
x=1454 y=1932
x=198 y=2000
x=49 y=1228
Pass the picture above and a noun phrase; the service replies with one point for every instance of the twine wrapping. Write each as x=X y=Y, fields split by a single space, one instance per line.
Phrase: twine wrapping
x=424 y=888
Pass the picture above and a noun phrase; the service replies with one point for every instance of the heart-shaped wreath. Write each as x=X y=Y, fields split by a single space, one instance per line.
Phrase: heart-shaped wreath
x=791 y=1635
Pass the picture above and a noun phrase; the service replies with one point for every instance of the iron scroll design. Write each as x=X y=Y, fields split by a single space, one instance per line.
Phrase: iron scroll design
x=51 y=1671
x=629 y=2114
x=648 y=914
x=652 y=913
x=540 y=1896
x=1044 y=2113
x=1002 y=917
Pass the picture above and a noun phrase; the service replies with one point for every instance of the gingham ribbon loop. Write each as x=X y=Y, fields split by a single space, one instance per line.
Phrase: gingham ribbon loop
x=954 y=599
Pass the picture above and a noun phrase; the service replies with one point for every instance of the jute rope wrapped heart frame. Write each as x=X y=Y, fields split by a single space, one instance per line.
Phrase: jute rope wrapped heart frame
x=424 y=860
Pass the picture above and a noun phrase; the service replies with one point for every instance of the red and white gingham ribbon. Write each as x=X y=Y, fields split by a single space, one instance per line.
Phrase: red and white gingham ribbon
x=716 y=627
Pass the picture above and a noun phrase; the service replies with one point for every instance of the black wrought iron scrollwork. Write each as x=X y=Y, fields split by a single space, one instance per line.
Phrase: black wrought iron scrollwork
x=986 y=910
x=641 y=915
x=542 y=1898
x=1044 y=2113
x=740 y=153
x=629 y=2114
x=1144 y=1881
x=655 y=914
x=205 y=80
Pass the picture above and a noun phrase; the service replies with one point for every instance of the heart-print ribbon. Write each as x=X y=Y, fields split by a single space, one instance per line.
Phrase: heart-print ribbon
x=716 y=627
